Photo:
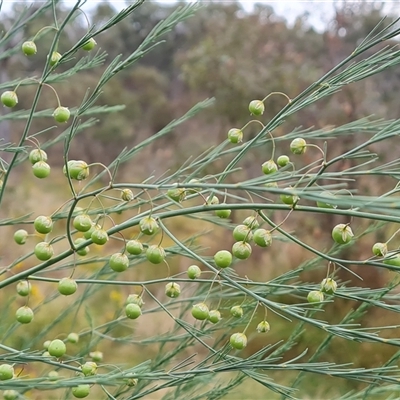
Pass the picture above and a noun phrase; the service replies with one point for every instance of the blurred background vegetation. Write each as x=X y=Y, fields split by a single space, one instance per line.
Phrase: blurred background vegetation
x=235 y=56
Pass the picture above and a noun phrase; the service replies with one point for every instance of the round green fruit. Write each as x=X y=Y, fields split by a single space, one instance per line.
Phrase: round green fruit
x=212 y=200
x=97 y=356
x=53 y=375
x=81 y=391
x=269 y=167
x=77 y=169
x=135 y=299
x=29 y=48
x=155 y=254
x=73 y=337
x=61 y=114
x=20 y=236
x=256 y=107
x=43 y=251
x=176 y=194
x=262 y=237
x=200 y=311
x=9 y=98
x=328 y=286
x=214 y=316
x=237 y=311
x=55 y=58
x=127 y=195
x=298 y=146
x=37 y=155
x=99 y=236
x=24 y=315
x=24 y=288
x=393 y=259
x=6 y=372
x=223 y=258
x=380 y=249
x=67 y=286
x=43 y=224
x=119 y=262
x=326 y=204
x=263 y=327
x=342 y=234
x=84 y=250
x=194 y=272
x=283 y=160
x=82 y=222
x=89 y=45
x=238 y=341
x=133 y=311
x=89 y=368
x=251 y=222
x=57 y=348
x=315 y=296
x=223 y=213
x=134 y=247
x=289 y=199
x=242 y=233
x=172 y=290
x=235 y=135
x=41 y=169
x=88 y=234
x=148 y=225
x=10 y=394
x=241 y=250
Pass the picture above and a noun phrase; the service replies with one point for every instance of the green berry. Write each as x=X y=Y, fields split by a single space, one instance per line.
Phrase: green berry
x=77 y=169
x=194 y=182
x=24 y=315
x=176 y=194
x=283 y=160
x=43 y=224
x=55 y=58
x=235 y=135
x=325 y=204
x=135 y=299
x=67 y=286
x=41 y=169
x=133 y=311
x=172 y=290
x=315 y=296
x=256 y=107
x=214 y=316
x=393 y=259
x=81 y=391
x=328 y=286
x=223 y=258
x=127 y=195
x=263 y=327
x=57 y=348
x=200 y=311
x=10 y=394
x=82 y=222
x=73 y=337
x=53 y=375
x=238 y=341
x=20 y=236
x=6 y=372
x=46 y=344
x=212 y=200
x=251 y=222
x=269 y=167
x=271 y=185
x=24 y=288
x=89 y=368
x=37 y=155
x=9 y=98
x=380 y=249
x=148 y=226
x=119 y=262
x=97 y=356
x=89 y=45
x=342 y=233
x=99 y=236
x=134 y=247
x=29 y=48
x=298 y=146
x=242 y=233
x=236 y=311
x=85 y=250
x=289 y=199
x=61 y=114
x=194 y=272
x=43 y=251
x=88 y=234
x=262 y=237
x=155 y=254
x=241 y=250
x=223 y=213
